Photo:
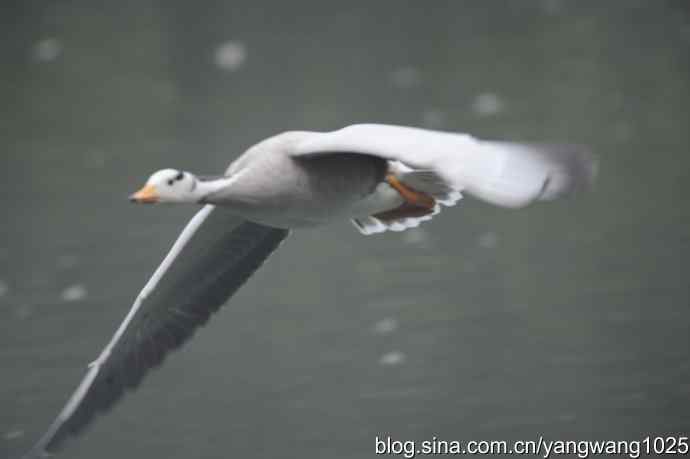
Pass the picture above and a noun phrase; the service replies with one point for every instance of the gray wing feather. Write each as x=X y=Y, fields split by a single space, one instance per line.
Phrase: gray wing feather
x=505 y=174
x=213 y=256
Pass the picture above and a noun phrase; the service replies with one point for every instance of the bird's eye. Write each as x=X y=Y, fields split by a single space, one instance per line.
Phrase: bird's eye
x=170 y=182
x=179 y=175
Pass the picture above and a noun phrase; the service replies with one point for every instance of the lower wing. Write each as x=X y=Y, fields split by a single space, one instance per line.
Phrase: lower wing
x=215 y=254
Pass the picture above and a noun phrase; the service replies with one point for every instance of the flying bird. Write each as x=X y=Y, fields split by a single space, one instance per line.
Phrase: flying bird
x=381 y=177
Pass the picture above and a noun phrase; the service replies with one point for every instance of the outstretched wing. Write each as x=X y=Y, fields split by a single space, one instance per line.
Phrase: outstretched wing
x=215 y=254
x=502 y=173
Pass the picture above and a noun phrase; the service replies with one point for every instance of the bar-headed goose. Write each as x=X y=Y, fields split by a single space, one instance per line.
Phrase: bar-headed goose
x=379 y=176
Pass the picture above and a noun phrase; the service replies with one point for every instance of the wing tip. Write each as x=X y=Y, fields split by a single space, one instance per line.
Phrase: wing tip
x=575 y=170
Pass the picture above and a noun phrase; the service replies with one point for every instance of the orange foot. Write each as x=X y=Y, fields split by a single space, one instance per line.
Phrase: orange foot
x=413 y=197
x=417 y=204
x=405 y=210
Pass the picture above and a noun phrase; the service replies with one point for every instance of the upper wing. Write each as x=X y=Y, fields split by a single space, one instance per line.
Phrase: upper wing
x=215 y=254
x=506 y=174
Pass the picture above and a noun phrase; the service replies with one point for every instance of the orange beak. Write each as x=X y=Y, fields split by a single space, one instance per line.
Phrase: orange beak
x=147 y=195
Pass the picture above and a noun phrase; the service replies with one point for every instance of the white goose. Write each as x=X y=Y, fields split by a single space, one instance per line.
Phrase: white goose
x=381 y=177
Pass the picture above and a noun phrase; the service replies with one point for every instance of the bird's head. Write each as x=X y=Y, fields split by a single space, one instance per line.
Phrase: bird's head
x=168 y=185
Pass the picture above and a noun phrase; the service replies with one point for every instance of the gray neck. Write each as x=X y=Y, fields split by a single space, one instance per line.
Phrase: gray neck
x=207 y=187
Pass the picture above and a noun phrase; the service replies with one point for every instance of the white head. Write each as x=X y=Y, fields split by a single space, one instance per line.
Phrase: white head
x=168 y=185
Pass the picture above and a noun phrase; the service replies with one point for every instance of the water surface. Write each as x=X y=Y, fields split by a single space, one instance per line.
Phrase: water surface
x=568 y=320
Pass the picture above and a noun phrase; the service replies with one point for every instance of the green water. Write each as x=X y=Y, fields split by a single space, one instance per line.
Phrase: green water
x=568 y=320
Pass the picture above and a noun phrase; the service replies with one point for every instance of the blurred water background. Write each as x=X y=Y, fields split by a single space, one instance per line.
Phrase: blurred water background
x=568 y=320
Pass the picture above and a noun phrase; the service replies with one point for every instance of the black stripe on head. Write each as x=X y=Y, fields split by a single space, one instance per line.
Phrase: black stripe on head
x=179 y=175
